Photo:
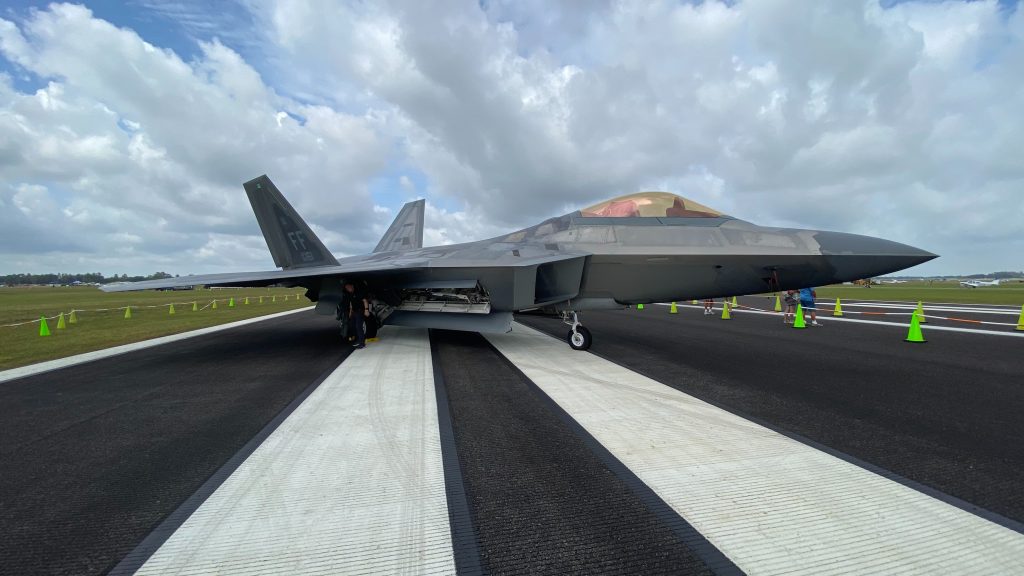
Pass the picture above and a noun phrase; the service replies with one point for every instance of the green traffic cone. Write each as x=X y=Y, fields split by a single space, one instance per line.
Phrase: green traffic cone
x=914 y=334
x=920 y=312
x=127 y=312
x=60 y=322
x=214 y=306
x=839 y=309
x=261 y=300
x=231 y=302
x=639 y=306
x=274 y=298
x=1020 y=321
x=73 y=318
x=44 y=330
x=170 y=311
x=694 y=302
x=725 y=310
x=246 y=300
x=672 y=309
x=798 y=320
x=734 y=302
x=778 y=304
x=195 y=306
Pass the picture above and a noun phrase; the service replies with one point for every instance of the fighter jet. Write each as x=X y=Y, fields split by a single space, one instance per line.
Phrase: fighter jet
x=636 y=249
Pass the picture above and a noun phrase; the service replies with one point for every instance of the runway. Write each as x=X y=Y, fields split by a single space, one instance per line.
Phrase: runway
x=497 y=468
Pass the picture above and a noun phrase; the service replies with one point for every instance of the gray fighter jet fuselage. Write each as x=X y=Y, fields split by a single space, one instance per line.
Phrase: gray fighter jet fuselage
x=641 y=248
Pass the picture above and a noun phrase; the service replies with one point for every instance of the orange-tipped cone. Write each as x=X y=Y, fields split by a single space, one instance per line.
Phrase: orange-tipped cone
x=839 y=309
x=60 y=322
x=798 y=319
x=914 y=334
x=725 y=310
x=44 y=330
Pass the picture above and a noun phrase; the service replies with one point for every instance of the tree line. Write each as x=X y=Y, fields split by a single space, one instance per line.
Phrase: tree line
x=86 y=278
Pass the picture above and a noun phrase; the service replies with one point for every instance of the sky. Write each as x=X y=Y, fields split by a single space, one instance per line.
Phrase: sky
x=127 y=128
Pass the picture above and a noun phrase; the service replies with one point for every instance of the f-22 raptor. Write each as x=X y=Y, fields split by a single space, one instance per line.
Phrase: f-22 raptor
x=636 y=249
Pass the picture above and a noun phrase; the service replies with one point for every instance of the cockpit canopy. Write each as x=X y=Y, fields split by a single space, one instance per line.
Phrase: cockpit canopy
x=650 y=204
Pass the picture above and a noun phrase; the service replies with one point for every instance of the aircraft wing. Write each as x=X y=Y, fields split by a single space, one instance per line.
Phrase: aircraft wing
x=260 y=278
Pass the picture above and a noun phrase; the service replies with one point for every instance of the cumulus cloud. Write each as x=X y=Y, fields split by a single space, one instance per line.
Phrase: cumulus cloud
x=902 y=122
x=139 y=142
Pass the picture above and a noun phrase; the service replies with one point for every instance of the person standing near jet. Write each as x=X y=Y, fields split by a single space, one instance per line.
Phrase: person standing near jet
x=807 y=297
x=789 y=316
x=358 y=309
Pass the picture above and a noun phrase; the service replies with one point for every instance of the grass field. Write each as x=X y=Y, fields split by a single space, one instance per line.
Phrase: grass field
x=95 y=329
x=1006 y=293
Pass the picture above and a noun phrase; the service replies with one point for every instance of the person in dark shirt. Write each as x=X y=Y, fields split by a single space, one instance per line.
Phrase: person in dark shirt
x=358 y=310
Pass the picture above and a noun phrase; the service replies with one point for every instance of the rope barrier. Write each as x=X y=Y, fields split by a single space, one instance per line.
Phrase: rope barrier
x=869 y=313
x=121 y=308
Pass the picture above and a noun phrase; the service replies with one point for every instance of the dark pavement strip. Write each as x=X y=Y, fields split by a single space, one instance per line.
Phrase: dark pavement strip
x=945 y=413
x=542 y=501
x=94 y=456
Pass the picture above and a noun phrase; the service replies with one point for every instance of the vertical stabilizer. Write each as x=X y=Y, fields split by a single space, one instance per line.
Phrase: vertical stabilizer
x=291 y=242
x=406 y=232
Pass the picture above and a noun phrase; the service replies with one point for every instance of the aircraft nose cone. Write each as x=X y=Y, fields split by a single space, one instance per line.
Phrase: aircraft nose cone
x=856 y=256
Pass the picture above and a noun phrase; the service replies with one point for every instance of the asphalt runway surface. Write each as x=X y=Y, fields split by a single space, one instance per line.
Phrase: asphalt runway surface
x=97 y=455
x=946 y=413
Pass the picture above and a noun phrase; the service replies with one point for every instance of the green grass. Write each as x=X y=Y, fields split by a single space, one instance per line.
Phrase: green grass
x=96 y=330
x=1011 y=292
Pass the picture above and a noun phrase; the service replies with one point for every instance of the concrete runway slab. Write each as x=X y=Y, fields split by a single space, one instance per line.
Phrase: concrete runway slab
x=350 y=483
x=768 y=502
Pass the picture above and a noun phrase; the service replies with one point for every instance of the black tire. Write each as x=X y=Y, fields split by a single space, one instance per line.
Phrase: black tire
x=583 y=341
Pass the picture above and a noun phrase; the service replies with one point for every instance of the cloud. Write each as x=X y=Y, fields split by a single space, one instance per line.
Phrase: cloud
x=902 y=121
x=140 y=142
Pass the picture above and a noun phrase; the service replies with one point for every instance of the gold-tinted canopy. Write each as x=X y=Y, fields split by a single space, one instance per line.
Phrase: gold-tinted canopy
x=650 y=204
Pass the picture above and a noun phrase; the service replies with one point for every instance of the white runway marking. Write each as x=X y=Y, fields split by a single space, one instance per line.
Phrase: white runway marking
x=39 y=368
x=351 y=483
x=769 y=503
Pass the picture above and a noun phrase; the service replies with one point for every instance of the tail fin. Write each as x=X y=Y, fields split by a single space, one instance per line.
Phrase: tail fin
x=406 y=232
x=291 y=242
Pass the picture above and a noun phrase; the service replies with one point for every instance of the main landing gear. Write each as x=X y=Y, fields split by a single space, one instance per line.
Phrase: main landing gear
x=579 y=337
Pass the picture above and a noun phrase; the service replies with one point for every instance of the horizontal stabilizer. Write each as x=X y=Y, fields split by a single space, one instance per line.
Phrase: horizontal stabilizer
x=406 y=232
x=291 y=242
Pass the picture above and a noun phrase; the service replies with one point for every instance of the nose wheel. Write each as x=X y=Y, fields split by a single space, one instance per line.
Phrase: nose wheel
x=579 y=337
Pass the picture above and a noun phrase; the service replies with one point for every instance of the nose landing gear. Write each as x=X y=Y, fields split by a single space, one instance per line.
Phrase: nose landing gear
x=579 y=337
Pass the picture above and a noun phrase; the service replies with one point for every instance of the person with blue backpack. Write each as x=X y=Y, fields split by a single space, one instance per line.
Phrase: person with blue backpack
x=807 y=297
